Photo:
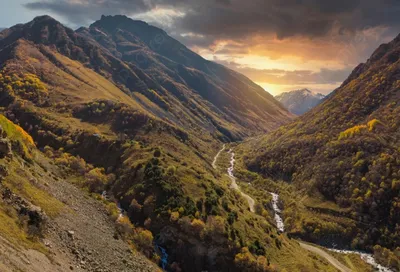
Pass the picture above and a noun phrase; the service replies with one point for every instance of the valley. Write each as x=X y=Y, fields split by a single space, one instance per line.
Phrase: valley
x=368 y=259
x=123 y=150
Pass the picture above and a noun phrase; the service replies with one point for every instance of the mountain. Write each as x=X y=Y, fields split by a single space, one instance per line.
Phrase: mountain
x=300 y=101
x=134 y=119
x=342 y=158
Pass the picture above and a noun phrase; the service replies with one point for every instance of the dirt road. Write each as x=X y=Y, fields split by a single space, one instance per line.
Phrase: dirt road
x=325 y=255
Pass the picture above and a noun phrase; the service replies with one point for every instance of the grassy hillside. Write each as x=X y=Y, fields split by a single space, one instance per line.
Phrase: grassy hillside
x=344 y=155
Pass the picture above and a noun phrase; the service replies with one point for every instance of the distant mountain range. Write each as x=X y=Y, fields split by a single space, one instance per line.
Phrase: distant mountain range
x=300 y=101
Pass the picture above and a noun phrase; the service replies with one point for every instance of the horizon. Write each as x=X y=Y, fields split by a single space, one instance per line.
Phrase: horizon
x=278 y=57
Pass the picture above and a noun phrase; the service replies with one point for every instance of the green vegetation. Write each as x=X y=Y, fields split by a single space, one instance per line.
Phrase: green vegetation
x=341 y=161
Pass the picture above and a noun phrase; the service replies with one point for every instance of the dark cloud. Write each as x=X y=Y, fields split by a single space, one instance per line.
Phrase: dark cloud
x=86 y=11
x=311 y=18
x=238 y=18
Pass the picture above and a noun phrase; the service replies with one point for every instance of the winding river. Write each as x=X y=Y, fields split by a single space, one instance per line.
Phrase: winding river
x=278 y=219
x=368 y=258
x=164 y=257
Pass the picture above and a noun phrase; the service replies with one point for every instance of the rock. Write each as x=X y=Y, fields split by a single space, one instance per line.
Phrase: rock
x=37 y=217
x=71 y=233
x=5 y=148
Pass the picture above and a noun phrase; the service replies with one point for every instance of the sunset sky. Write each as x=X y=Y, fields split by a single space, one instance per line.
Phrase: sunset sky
x=280 y=44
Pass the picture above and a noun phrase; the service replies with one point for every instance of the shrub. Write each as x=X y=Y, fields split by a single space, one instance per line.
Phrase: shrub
x=174 y=216
x=96 y=180
x=198 y=227
x=144 y=240
x=215 y=225
x=124 y=226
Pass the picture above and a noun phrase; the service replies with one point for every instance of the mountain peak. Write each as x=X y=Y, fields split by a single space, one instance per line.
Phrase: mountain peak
x=44 y=18
x=300 y=101
x=119 y=21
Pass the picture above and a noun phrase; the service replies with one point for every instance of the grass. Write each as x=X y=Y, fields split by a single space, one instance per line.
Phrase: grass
x=11 y=229
x=18 y=181
x=353 y=261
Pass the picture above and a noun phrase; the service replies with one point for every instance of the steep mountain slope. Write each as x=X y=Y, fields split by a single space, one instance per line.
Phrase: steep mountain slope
x=143 y=137
x=45 y=220
x=345 y=153
x=227 y=99
x=300 y=101
x=165 y=77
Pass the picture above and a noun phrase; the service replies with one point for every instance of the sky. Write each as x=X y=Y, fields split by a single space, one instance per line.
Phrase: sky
x=282 y=45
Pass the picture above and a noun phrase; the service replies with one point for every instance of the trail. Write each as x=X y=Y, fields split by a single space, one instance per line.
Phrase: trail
x=235 y=186
x=214 y=163
x=325 y=255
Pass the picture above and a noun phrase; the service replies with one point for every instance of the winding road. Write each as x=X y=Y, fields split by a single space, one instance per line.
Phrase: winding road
x=235 y=186
x=325 y=255
x=214 y=163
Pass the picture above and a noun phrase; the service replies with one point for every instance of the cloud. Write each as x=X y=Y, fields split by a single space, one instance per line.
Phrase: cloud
x=288 y=77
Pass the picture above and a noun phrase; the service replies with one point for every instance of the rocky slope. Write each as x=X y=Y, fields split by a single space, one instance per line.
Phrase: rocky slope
x=300 y=101
x=344 y=154
x=45 y=220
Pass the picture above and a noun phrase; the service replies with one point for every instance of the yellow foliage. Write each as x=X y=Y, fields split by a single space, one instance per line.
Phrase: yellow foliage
x=174 y=216
x=356 y=130
x=144 y=240
x=198 y=226
x=372 y=124
x=124 y=226
x=351 y=132
x=16 y=133
x=245 y=261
